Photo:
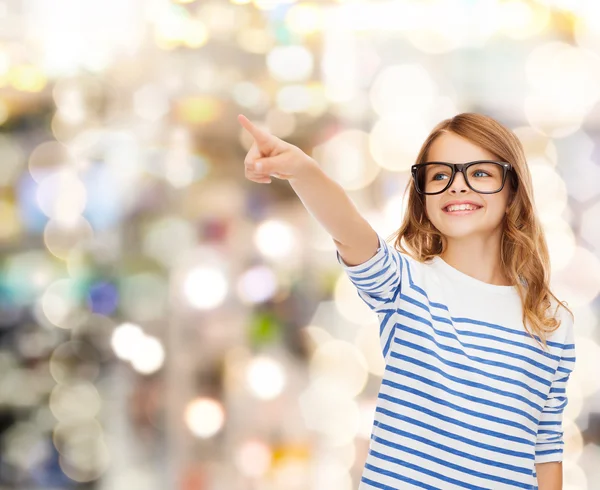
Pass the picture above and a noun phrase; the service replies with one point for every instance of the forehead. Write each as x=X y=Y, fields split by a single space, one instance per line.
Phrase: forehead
x=452 y=148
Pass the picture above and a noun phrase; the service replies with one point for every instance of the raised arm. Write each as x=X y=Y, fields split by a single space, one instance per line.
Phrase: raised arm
x=324 y=198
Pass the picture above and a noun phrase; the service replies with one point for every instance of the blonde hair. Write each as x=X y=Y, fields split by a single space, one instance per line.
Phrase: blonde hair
x=523 y=249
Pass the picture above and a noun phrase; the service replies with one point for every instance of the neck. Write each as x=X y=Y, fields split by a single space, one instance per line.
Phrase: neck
x=477 y=257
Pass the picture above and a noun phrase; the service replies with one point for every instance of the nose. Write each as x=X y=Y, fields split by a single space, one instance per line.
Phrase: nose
x=458 y=184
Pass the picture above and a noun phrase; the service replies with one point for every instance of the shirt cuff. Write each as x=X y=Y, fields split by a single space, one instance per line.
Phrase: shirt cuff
x=381 y=250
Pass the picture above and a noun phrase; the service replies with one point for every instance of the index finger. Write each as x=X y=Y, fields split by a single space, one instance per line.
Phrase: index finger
x=261 y=137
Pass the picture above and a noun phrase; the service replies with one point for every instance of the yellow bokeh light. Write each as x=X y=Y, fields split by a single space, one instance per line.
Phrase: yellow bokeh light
x=27 y=78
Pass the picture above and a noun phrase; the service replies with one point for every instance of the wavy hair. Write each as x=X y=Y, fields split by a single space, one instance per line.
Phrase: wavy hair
x=523 y=249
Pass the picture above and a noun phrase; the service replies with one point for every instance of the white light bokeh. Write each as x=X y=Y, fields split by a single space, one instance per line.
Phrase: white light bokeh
x=275 y=239
x=340 y=363
x=265 y=377
x=290 y=63
x=204 y=417
x=205 y=287
x=149 y=355
x=253 y=458
x=125 y=339
x=257 y=284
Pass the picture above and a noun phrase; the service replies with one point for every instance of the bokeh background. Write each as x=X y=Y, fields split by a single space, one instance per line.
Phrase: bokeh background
x=166 y=323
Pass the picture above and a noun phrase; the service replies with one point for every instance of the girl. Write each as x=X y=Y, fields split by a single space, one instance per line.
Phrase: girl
x=477 y=349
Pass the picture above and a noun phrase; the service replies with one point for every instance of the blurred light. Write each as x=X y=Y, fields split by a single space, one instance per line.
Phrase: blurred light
x=101 y=31
x=573 y=439
x=275 y=239
x=309 y=99
x=266 y=377
x=347 y=159
x=167 y=239
x=257 y=284
x=330 y=412
x=204 y=417
x=75 y=401
x=10 y=224
x=200 y=109
x=125 y=339
x=520 y=20
x=293 y=98
x=254 y=39
x=440 y=26
x=537 y=146
x=70 y=103
x=587 y=26
x=306 y=18
x=578 y=282
x=248 y=94
x=37 y=343
x=33 y=219
x=590 y=231
x=100 y=182
x=402 y=90
x=270 y=4
x=205 y=287
x=178 y=159
x=550 y=191
x=4 y=109
x=21 y=444
x=48 y=158
x=349 y=304
x=20 y=388
x=27 y=78
x=290 y=63
x=149 y=355
x=560 y=240
x=253 y=458
x=367 y=417
x=84 y=455
x=588 y=353
x=281 y=123
x=583 y=173
x=395 y=142
x=144 y=297
x=103 y=298
x=73 y=361
x=62 y=196
x=27 y=274
x=12 y=159
x=367 y=341
x=61 y=238
x=151 y=102
x=97 y=329
x=341 y=364
x=59 y=300
x=565 y=85
x=329 y=472
x=316 y=335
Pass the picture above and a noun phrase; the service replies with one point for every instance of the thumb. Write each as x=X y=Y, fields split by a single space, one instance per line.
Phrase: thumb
x=267 y=165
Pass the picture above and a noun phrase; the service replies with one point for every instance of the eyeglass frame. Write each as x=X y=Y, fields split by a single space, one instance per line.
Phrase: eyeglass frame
x=461 y=167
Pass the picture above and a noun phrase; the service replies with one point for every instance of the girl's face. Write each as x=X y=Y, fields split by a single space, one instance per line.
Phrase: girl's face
x=452 y=148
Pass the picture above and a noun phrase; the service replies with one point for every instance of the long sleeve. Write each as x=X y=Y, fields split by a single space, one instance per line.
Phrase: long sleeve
x=549 y=443
x=378 y=282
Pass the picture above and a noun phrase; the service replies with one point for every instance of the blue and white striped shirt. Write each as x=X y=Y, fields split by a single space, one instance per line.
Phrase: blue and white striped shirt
x=468 y=399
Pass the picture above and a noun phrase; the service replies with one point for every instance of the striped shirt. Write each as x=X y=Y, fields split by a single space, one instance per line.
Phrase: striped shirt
x=467 y=399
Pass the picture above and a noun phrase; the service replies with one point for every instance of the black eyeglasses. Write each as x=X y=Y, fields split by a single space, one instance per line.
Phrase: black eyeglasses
x=482 y=176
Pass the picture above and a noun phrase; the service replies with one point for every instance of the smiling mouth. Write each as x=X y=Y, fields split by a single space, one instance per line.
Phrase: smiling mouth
x=461 y=212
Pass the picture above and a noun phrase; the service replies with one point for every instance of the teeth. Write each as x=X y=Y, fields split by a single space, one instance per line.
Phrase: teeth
x=461 y=207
